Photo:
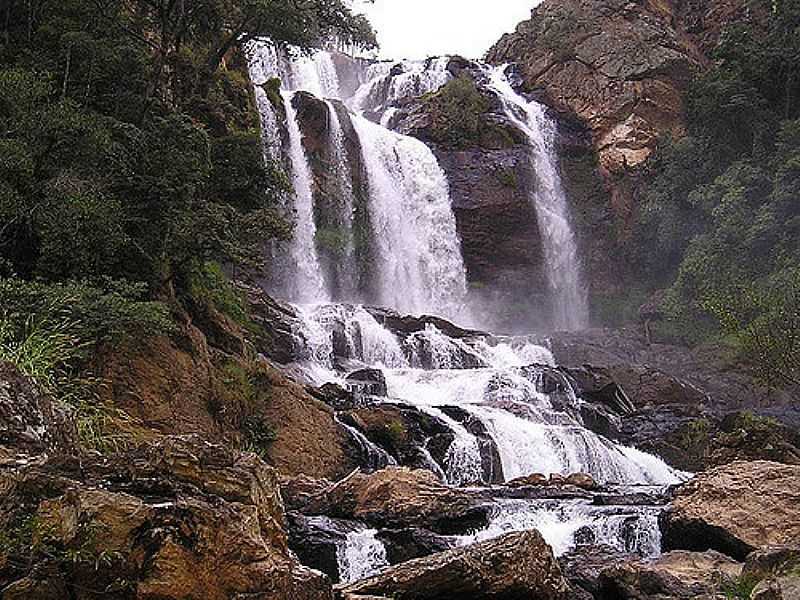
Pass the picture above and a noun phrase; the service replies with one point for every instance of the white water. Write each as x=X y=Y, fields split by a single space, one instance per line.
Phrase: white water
x=570 y=303
x=420 y=266
x=361 y=555
x=308 y=284
x=632 y=529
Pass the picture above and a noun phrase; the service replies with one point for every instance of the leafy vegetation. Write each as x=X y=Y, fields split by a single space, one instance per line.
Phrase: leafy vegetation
x=131 y=169
x=720 y=222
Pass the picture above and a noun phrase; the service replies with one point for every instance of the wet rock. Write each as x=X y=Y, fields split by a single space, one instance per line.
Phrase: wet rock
x=491 y=463
x=30 y=421
x=370 y=382
x=585 y=537
x=180 y=518
x=516 y=565
x=582 y=566
x=405 y=325
x=672 y=576
x=334 y=396
x=298 y=491
x=407 y=544
x=275 y=335
x=398 y=497
x=405 y=433
x=536 y=479
x=735 y=509
x=316 y=541
x=583 y=481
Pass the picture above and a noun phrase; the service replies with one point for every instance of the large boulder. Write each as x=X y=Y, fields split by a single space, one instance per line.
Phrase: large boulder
x=673 y=576
x=514 y=566
x=176 y=519
x=735 y=509
x=398 y=497
x=180 y=384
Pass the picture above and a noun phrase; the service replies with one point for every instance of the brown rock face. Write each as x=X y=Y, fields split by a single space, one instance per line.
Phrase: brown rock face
x=180 y=385
x=178 y=518
x=399 y=497
x=735 y=509
x=675 y=575
x=512 y=567
x=620 y=68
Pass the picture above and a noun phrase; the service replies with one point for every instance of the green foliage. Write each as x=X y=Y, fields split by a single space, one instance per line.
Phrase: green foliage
x=258 y=435
x=31 y=539
x=209 y=286
x=740 y=588
x=458 y=113
x=720 y=217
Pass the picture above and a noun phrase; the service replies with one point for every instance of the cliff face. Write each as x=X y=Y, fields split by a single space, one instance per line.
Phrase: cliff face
x=619 y=68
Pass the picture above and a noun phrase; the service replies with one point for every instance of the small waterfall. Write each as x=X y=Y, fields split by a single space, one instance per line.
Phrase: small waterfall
x=389 y=83
x=634 y=529
x=570 y=302
x=375 y=457
x=420 y=264
x=361 y=555
x=346 y=269
x=308 y=284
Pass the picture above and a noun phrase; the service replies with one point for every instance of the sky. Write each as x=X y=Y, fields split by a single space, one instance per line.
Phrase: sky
x=416 y=29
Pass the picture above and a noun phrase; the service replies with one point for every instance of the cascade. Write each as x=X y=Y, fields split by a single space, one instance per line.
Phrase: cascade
x=420 y=265
x=308 y=284
x=361 y=555
x=570 y=303
x=501 y=400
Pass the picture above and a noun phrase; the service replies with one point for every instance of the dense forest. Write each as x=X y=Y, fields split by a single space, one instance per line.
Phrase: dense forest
x=720 y=217
x=131 y=167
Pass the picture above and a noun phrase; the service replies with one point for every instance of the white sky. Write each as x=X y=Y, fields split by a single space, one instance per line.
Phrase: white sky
x=417 y=29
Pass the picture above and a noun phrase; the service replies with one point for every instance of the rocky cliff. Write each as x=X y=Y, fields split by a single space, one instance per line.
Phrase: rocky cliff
x=620 y=69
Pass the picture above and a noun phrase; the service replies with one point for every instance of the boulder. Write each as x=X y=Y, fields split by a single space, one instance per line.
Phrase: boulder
x=405 y=432
x=398 y=497
x=316 y=541
x=672 y=576
x=516 y=565
x=735 y=509
x=582 y=566
x=407 y=544
x=370 y=382
x=178 y=518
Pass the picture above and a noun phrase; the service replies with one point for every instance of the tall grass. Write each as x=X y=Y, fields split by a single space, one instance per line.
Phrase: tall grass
x=43 y=349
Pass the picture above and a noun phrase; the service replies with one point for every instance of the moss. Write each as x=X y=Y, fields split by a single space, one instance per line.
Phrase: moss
x=272 y=87
x=458 y=112
x=333 y=240
x=208 y=286
x=507 y=177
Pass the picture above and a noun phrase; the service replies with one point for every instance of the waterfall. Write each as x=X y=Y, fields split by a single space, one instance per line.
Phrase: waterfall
x=346 y=269
x=570 y=303
x=308 y=284
x=420 y=265
x=361 y=555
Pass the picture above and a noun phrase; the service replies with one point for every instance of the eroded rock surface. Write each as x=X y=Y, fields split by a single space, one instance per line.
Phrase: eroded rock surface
x=514 y=566
x=735 y=509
